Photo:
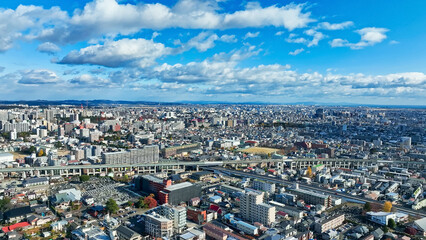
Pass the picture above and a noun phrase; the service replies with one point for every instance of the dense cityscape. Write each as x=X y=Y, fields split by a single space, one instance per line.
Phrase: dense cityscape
x=213 y=120
x=212 y=172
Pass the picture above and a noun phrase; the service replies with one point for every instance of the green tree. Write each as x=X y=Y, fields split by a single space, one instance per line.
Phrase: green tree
x=125 y=178
x=111 y=206
x=58 y=144
x=385 y=229
x=84 y=178
x=32 y=149
x=391 y=223
x=141 y=203
x=367 y=206
x=4 y=204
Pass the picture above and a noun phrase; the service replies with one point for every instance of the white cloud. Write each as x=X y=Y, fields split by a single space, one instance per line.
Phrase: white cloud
x=369 y=37
x=38 y=77
x=335 y=26
x=108 y=17
x=372 y=35
x=316 y=37
x=223 y=76
x=293 y=38
x=251 y=35
x=155 y=34
x=134 y=52
x=48 y=47
x=202 y=42
x=393 y=42
x=25 y=22
x=87 y=80
x=296 y=52
x=279 y=33
x=228 y=38
x=289 y=17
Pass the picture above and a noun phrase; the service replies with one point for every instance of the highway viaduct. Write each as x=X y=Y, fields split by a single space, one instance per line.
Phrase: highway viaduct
x=176 y=166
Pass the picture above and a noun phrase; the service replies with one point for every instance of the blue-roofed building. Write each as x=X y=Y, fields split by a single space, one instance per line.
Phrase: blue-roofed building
x=246 y=228
x=215 y=199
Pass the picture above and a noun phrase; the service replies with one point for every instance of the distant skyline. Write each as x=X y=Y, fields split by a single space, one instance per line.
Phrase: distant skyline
x=361 y=52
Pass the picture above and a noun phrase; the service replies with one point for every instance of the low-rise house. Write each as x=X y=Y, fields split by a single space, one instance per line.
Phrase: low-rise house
x=420 y=225
x=89 y=233
x=126 y=233
x=193 y=234
x=17 y=214
x=58 y=225
x=378 y=234
x=29 y=182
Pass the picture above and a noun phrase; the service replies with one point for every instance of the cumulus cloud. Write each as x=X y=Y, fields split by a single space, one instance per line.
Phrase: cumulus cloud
x=296 y=52
x=48 y=47
x=203 y=41
x=228 y=38
x=294 y=38
x=316 y=37
x=221 y=75
x=38 y=77
x=108 y=17
x=251 y=35
x=135 y=52
x=335 y=26
x=26 y=22
x=369 y=37
x=312 y=33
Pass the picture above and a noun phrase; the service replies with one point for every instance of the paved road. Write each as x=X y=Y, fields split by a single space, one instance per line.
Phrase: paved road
x=317 y=189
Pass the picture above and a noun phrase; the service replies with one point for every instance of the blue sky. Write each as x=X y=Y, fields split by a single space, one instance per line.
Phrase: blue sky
x=368 y=52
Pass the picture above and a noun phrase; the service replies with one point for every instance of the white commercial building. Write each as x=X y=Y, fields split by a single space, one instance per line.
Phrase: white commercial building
x=381 y=218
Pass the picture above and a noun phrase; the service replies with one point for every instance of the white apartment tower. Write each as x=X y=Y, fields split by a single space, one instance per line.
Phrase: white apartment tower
x=254 y=210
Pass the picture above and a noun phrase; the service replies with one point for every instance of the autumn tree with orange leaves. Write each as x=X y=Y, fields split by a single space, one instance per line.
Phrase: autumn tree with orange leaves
x=387 y=207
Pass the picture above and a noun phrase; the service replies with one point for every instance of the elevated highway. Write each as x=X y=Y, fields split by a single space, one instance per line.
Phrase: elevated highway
x=94 y=169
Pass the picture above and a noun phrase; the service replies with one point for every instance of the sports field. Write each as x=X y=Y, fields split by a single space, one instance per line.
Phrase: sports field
x=259 y=150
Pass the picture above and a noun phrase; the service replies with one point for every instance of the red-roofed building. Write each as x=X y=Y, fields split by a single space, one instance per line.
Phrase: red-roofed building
x=15 y=226
x=215 y=208
x=281 y=213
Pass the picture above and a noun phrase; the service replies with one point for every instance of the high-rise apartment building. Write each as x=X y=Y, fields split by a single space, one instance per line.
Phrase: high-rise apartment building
x=253 y=209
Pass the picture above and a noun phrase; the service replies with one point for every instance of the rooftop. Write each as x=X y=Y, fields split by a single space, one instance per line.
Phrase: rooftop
x=310 y=193
x=179 y=186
